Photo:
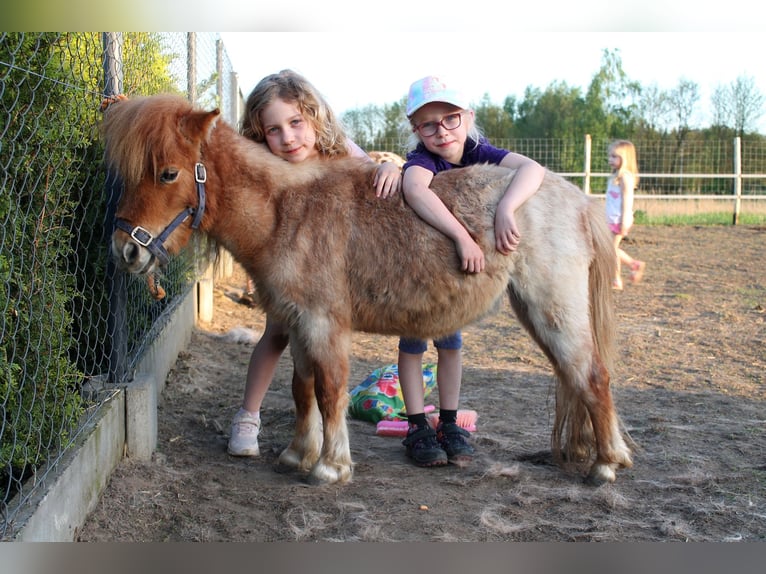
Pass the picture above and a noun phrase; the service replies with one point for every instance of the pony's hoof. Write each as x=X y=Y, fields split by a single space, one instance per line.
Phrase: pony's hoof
x=326 y=474
x=289 y=459
x=600 y=474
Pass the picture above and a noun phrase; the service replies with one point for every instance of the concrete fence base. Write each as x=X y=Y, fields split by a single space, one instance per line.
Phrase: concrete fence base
x=125 y=426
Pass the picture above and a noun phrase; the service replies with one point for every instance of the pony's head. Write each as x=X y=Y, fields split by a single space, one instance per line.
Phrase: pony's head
x=154 y=145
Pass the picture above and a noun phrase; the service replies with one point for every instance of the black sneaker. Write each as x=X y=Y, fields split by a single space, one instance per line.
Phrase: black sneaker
x=451 y=437
x=423 y=448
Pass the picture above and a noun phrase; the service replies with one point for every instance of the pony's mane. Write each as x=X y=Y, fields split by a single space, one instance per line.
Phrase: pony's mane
x=136 y=129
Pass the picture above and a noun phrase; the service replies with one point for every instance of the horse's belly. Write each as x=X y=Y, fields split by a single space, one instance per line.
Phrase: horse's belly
x=430 y=311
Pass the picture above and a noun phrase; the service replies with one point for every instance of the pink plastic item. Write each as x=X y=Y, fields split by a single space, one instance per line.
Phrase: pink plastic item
x=391 y=428
x=465 y=419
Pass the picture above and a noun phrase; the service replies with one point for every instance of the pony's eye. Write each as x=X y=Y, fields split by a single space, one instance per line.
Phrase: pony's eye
x=168 y=175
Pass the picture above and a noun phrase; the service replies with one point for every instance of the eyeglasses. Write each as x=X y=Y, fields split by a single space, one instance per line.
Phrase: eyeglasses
x=448 y=122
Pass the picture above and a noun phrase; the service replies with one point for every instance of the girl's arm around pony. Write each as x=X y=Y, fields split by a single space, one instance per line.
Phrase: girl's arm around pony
x=529 y=175
x=388 y=176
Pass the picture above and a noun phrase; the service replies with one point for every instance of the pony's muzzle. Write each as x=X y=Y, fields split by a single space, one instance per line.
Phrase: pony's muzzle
x=132 y=257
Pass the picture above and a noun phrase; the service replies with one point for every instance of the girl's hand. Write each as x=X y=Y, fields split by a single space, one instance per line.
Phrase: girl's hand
x=507 y=235
x=471 y=256
x=388 y=180
x=627 y=223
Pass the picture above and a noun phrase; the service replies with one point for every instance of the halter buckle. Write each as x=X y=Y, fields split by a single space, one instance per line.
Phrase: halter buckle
x=141 y=236
x=200 y=174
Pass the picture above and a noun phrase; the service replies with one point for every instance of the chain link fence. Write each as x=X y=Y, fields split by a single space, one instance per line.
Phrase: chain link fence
x=68 y=338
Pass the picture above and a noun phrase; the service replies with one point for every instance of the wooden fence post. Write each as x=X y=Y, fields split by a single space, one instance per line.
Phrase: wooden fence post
x=737 y=179
x=586 y=167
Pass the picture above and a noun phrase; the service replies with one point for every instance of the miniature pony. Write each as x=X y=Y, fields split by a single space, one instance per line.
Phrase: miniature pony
x=328 y=258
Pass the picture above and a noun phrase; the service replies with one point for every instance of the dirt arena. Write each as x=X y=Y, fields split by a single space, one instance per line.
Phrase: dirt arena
x=689 y=386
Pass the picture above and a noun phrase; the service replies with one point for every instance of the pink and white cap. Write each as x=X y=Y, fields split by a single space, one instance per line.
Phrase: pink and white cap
x=432 y=89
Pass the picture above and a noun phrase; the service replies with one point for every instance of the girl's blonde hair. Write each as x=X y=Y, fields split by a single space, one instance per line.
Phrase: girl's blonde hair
x=292 y=87
x=626 y=151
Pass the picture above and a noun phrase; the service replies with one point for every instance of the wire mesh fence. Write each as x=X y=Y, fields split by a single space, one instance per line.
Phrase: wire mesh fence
x=68 y=340
x=695 y=176
x=667 y=166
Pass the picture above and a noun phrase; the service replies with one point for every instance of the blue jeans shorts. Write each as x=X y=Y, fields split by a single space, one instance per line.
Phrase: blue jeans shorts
x=419 y=346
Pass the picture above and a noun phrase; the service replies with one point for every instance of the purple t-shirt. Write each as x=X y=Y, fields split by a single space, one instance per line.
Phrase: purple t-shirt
x=472 y=154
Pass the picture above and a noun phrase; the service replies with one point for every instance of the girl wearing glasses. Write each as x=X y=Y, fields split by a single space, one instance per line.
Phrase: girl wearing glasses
x=446 y=137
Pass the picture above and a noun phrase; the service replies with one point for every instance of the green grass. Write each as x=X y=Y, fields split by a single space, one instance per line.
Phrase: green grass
x=720 y=218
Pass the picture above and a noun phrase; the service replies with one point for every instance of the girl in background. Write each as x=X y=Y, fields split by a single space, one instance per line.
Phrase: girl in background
x=619 y=206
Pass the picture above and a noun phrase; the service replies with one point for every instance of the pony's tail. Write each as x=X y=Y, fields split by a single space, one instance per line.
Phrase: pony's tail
x=602 y=271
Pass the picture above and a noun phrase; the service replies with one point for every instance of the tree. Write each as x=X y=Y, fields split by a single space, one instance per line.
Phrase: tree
x=362 y=124
x=373 y=127
x=557 y=112
x=40 y=151
x=682 y=101
x=738 y=105
x=611 y=98
x=653 y=109
x=494 y=121
x=395 y=122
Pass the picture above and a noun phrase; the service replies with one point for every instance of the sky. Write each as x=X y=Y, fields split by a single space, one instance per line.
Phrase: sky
x=358 y=69
x=361 y=53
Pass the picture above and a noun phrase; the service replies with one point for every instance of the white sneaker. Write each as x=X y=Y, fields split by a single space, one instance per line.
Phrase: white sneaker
x=243 y=440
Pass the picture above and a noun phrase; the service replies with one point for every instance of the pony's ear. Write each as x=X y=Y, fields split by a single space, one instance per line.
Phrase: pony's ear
x=197 y=125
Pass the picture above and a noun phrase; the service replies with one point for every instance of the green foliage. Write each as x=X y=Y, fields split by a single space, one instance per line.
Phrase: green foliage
x=558 y=112
x=371 y=124
x=495 y=121
x=38 y=391
x=148 y=65
x=53 y=305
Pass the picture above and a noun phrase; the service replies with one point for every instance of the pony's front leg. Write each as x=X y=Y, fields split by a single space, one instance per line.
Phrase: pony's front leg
x=334 y=464
x=303 y=451
x=331 y=368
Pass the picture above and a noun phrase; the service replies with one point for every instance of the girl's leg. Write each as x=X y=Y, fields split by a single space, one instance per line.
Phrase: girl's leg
x=243 y=438
x=636 y=267
x=619 y=254
x=449 y=374
x=421 y=444
x=636 y=270
x=263 y=364
x=411 y=380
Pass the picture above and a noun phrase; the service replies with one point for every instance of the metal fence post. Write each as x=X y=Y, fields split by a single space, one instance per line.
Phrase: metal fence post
x=191 y=67
x=117 y=322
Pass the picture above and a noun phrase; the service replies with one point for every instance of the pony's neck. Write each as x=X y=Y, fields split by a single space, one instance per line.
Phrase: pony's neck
x=241 y=191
